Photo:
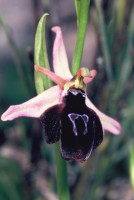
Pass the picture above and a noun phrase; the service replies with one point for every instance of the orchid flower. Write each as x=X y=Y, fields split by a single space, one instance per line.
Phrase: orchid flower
x=49 y=106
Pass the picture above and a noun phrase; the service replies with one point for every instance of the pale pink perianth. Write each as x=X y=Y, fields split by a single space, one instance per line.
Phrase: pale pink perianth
x=91 y=77
x=39 y=104
x=109 y=124
x=35 y=106
x=60 y=61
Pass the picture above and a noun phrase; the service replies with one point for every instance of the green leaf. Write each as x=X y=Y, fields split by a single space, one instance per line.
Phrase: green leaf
x=42 y=82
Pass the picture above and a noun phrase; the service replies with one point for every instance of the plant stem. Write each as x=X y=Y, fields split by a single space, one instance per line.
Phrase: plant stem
x=81 y=32
x=82 y=26
x=42 y=83
x=62 y=183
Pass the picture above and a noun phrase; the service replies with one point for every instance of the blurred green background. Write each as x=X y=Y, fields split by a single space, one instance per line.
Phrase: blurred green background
x=27 y=163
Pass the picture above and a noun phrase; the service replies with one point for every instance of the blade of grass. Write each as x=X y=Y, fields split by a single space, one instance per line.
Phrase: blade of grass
x=19 y=63
x=128 y=58
x=104 y=41
x=127 y=63
x=131 y=165
x=120 y=12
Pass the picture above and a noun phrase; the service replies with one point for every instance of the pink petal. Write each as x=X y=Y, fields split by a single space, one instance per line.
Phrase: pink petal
x=108 y=123
x=90 y=78
x=60 y=61
x=35 y=106
x=55 y=78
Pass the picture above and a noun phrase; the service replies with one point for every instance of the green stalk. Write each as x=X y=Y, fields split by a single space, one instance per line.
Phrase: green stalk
x=62 y=183
x=82 y=10
x=82 y=20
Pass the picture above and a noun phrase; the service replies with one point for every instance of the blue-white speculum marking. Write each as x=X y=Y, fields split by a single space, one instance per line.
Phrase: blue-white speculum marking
x=73 y=117
x=77 y=127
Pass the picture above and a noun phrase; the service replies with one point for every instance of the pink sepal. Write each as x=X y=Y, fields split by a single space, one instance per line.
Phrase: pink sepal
x=35 y=106
x=90 y=78
x=60 y=61
x=109 y=124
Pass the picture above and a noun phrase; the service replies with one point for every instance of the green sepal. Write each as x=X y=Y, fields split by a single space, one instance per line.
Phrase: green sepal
x=42 y=82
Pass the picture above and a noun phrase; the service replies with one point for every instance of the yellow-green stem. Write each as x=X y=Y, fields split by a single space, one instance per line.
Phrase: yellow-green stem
x=42 y=83
x=82 y=19
x=62 y=183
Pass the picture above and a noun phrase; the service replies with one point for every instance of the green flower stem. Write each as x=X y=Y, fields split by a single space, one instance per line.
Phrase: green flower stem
x=82 y=21
x=62 y=183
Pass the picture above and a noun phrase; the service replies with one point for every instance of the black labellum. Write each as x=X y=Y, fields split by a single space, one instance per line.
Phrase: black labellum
x=76 y=126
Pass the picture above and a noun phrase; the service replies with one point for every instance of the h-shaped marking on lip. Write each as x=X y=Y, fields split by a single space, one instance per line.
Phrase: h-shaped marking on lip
x=73 y=117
